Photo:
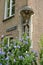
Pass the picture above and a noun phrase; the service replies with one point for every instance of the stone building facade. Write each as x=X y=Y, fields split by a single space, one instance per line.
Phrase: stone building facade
x=28 y=14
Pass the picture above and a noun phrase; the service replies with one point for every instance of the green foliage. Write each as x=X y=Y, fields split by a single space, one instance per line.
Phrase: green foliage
x=5 y=40
x=41 y=50
x=41 y=56
x=41 y=41
x=18 y=53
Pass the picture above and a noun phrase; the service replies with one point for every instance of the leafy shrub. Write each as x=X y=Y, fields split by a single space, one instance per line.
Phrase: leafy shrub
x=18 y=52
x=41 y=50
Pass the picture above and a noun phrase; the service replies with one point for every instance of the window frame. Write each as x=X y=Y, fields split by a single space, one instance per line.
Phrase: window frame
x=5 y=10
x=8 y=39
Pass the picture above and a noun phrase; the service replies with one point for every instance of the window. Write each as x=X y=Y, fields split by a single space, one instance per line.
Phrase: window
x=8 y=39
x=9 y=8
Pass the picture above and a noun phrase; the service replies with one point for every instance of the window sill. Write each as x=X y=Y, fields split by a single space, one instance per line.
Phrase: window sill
x=8 y=18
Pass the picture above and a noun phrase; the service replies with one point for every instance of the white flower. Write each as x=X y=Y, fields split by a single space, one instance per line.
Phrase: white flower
x=25 y=42
x=21 y=39
x=18 y=46
x=27 y=55
x=8 y=52
x=15 y=46
x=14 y=60
x=21 y=57
x=7 y=58
x=26 y=51
x=27 y=37
x=35 y=52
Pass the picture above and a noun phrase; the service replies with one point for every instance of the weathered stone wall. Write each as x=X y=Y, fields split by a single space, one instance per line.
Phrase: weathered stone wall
x=37 y=19
x=12 y=21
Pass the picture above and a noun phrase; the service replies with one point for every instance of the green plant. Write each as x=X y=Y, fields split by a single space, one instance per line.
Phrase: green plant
x=41 y=42
x=18 y=52
x=41 y=50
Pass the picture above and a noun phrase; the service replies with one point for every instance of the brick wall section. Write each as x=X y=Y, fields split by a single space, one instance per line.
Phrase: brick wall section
x=11 y=22
x=37 y=19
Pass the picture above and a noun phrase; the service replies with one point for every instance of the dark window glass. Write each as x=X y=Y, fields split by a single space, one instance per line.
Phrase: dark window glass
x=13 y=2
x=10 y=7
x=8 y=4
x=8 y=12
x=13 y=10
